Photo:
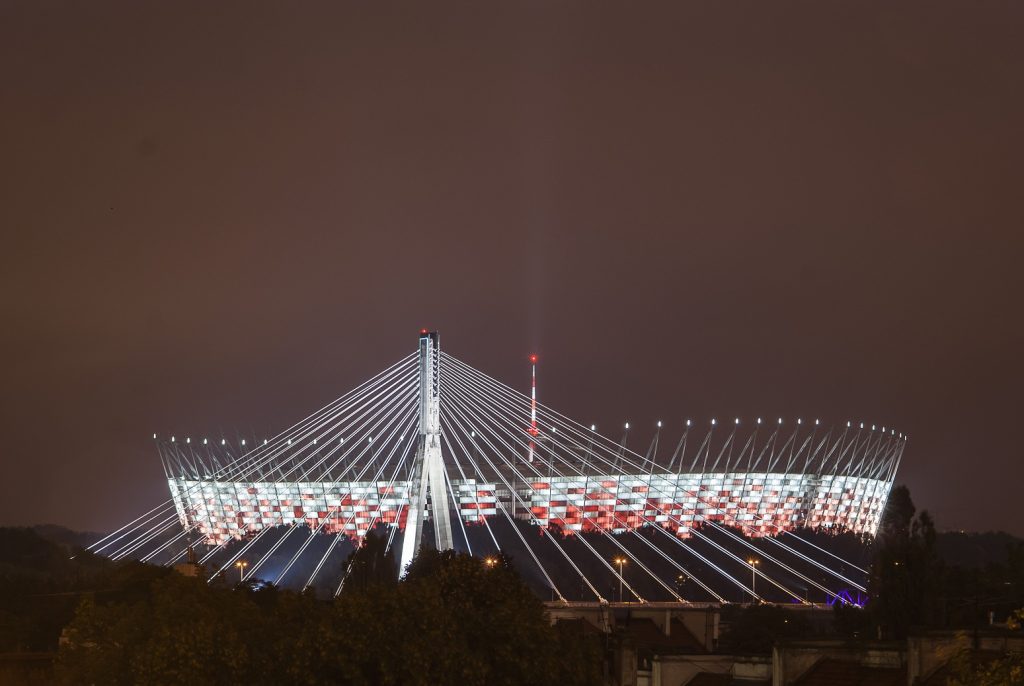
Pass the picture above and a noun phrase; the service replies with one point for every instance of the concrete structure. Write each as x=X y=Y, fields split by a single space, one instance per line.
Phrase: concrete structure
x=666 y=644
x=428 y=473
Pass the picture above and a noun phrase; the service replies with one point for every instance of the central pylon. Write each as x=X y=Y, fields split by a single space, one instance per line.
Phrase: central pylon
x=428 y=478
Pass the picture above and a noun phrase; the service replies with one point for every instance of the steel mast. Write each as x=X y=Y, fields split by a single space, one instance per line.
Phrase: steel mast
x=428 y=478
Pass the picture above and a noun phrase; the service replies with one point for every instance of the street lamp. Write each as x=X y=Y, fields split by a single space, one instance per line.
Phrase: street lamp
x=753 y=578
x=680 y=583
x=620 y=561
x=241 y=564
x=490 y=561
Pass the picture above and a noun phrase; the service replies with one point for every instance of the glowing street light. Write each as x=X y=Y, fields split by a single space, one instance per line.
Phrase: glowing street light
x=620 y=561
x=241 y=564
x=680 y=583
x=753 y=562
x=490 y=562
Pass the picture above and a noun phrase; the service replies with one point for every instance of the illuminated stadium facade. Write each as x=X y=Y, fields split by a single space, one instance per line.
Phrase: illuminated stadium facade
x=434 y=437
x=760 y=503
x=433 y=447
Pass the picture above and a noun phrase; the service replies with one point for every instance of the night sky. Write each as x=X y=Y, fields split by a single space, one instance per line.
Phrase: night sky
x=218 y=217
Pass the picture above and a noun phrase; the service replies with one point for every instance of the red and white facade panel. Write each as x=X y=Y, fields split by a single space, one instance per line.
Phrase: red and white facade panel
x=759 y=503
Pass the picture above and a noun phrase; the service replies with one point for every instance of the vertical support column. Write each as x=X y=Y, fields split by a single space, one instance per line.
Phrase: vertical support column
x=533 y=406
x=428 y=478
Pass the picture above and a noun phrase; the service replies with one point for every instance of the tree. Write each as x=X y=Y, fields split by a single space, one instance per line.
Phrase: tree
x=1003 y=671
x=453 y=620
x=183 y=632
x=372 y=563
x=906 y=571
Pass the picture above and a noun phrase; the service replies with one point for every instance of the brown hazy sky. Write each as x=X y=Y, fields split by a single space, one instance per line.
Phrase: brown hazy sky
x=220 y=216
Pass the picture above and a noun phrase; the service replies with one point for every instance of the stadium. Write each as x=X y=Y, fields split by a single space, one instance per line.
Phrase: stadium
x=432 y=444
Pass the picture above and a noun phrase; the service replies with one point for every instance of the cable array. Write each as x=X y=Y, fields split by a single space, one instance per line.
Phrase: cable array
x=722 y=511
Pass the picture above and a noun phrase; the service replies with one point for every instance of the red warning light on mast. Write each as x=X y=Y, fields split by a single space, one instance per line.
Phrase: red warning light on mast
x=533 y=359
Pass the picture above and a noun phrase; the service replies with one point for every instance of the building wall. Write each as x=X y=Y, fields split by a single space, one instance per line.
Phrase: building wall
x=791 y=660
